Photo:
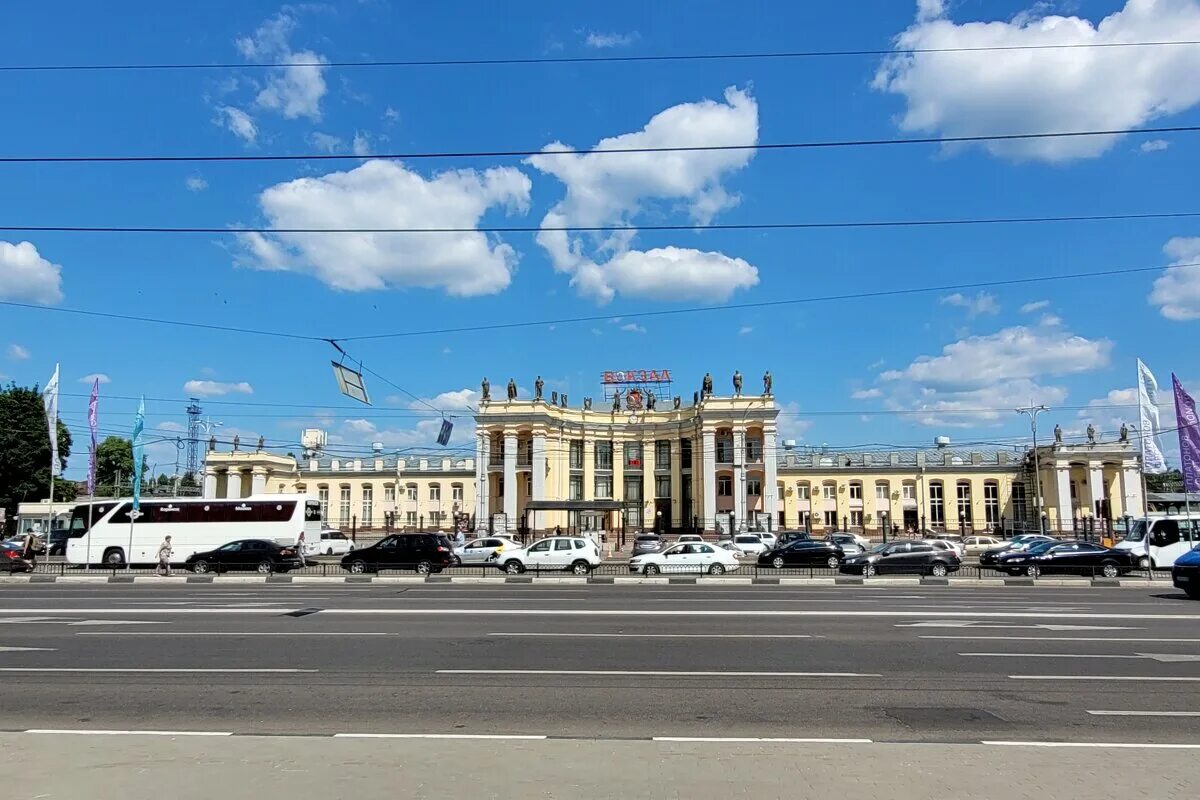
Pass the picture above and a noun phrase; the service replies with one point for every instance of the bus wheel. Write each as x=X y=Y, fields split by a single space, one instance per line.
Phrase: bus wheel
x=114 y=556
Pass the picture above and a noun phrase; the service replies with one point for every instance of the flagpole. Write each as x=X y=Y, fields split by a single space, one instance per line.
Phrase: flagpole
x=1145 y=500
x=1181 y=422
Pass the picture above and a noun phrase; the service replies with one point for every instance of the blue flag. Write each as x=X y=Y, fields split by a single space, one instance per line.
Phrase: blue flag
x=139 y=422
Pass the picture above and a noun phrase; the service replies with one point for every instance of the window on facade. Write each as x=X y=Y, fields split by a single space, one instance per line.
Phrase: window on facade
x=412 y=492
x=603 y=486
x=323 y=499
x=633 y=455
x=754 y=487
x=1074 y=491
x=410 y=518
x=991 y=503
x=389 y=493
x=528 y=484
x=633 y=489
x=435 y=519
x=1019 y=501
x=576 y=488
x=754 y=450
x=368 y=502
x=881 y=492
x=856 y=519
x=830 y=519
x=724 y=451
x=604 y=459
x=829 y=491
x=802 y=491
x=662 y=454
x=908 y=491
x=344 y=505
x=724 y=486
x=662 y=486
x=456 y=492
x=435 y=492
x=576 y=454
x=937 y=508
x=856 y=491
x=685 y=453
x=964 y=501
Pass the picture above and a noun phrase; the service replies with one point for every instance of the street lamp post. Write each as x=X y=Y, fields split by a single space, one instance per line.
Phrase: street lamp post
x=1032 y=412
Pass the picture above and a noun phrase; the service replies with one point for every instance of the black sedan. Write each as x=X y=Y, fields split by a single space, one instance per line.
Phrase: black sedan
x=898 y=558
x=1071 y=558
x=990 y=557
x=260 y=555
x=802 y=553
x=11 y=560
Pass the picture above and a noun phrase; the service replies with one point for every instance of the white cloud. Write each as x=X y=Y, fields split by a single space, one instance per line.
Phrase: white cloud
x=239 y=123
x=602 y=41
x=1050 y=320
x=326 y=142
x=294 y=90
x=1036 y=305
x=385 y=194
x=993 y=372
x=361 y=146
x=1177 y=291
x=614 y=190
x=174 y=427
x=17 y=353
x=1154 y=146
x=216 y=388
x=792 y=426
x=745 y=330
x=27 y=277
x=391 y=114
x=195 y=183
x=866 y=394
x=96 y=376
x=633 y=327
x=1069 y=89
x=421 y=435
x=458 y=400
x=981 y=303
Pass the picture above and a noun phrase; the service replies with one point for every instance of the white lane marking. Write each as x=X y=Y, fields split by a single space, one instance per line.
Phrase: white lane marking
x=1160 y=678
x=4 y=649
x=28 y=620
x=1053 y=639
x=1164 y=658
x=238 y=633
x=660 y=673
x=89 y=622
x=1118 y=745
x=1145 y=713
x=971 y=624
x=663 y=635
x=127 y=733
x=436 y=736
x=131 y=670
x=736 y=739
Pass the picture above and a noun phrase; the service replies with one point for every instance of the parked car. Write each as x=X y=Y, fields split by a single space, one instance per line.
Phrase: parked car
x=422 y=552
x=727 y=544
x=57 y=546
x=951 y=539
x=689 y=537
x=914 y=558
x=768 y=538
x=942 y=544
x=485 y=550
x=803 y=553
x=574 y=553
x=11 y=560
x=1074 y=558
x=330 y=543
x=989 y=558
x=1186 y=573
x=260 y=555
x=647 y=543
x=791 y=536
x=749 y=543
x=39 y=544
x=692 y=557
x=849 y=544
x=977 y=544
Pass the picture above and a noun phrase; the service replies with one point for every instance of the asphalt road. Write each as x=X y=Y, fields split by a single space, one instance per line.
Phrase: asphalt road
x=595 y=665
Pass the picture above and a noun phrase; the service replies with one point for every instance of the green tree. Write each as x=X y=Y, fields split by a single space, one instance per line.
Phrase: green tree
x=25 y=449
x=114 y=461
x=1169 y=481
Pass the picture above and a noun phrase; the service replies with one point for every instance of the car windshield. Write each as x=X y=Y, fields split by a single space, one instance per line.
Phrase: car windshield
x=1137 y=532
x=1041 y=547
x=879 y=548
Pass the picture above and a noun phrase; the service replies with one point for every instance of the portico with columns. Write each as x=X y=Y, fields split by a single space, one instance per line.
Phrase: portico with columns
x=1090 y=481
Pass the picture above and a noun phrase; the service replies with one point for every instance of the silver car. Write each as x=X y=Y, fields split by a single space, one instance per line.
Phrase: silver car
x=647 y=543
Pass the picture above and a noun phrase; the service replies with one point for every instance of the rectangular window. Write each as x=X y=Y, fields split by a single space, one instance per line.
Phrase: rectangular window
x=964 y=502
x=412 y=492
x=908 y=491
x=604 y=460
x=724 y=451
x=991 y=503
x=576 y=488
x=633 y=489
x=662 y=486
x=856 y=519
x=389 y=494
x=937 y=509
x=829 y=491
x=603 y=487
x=456 y=492
x=754 y=450
x=1019 y=502
x=685 y=453
x=323 y=499
x=662 y=454
x=435 y=493
x=802 y=491
x=754 y=487
x=831 y=519
x=633 y=455
x=344 y=506
x=856 y=491
x=368 y=502
x=724 y=486
x=576 y=454
x=881 y=492
x=410 y=518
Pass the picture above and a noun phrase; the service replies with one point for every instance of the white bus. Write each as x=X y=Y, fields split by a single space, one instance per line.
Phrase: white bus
x=1170 y=537
x=194 y=524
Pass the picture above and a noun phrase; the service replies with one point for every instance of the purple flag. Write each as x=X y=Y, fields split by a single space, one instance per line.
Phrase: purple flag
x=1189 y=436
x=92 y=403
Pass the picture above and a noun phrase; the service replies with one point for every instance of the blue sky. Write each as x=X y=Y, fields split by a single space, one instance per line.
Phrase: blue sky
x=943 y=355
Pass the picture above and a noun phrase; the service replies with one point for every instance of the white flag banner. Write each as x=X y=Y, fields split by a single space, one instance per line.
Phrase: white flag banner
x=1152 y=455
x=50 y=399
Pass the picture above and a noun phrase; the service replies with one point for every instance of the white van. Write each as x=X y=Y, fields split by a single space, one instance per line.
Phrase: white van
x=1170 y=537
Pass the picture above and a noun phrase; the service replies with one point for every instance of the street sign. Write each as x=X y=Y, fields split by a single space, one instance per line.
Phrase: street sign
x=350 y=383
x=444 y=434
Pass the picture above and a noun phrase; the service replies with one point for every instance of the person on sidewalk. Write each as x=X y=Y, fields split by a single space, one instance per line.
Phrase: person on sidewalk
x=300 y=549
x=29 y=549
x=164 y=558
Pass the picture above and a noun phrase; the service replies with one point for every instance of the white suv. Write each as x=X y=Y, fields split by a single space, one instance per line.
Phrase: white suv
x=330 y=543
x=574 y=553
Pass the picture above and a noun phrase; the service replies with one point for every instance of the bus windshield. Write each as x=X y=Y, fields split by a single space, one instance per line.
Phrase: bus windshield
x=1137 y=532
x=82 y=521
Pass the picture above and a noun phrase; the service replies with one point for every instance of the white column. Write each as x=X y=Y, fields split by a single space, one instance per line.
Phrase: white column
x=258 y=481
x=771 y=497
x=538 y=466
x=739 y=479
x=210 y=483
x=1131 y=490
x=510 y=482
x=233 y=484
x=1095 y=485
x=708 y=514
x=482 y=490
x=1062 y=476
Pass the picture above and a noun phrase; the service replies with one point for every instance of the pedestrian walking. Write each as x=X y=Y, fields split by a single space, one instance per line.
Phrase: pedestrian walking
x=29 y=549
x=164 y=558
x=300 y=549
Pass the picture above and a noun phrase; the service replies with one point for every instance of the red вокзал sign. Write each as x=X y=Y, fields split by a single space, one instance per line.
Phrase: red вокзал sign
x=637 y=376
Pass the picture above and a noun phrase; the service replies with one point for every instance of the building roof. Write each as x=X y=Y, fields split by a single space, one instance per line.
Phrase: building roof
x=935 y=457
